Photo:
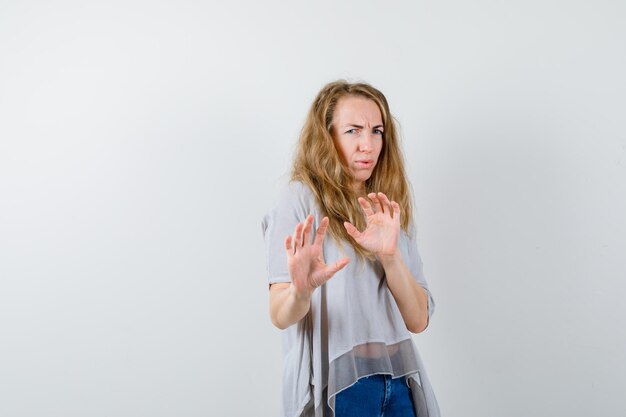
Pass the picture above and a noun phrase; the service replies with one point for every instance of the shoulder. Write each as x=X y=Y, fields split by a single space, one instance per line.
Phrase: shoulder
x=296 y=194
x=296 y=188
x=408 y=241
x=294 y=203
x=411 y=233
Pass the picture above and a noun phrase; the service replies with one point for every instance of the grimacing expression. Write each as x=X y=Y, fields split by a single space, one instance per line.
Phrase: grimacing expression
x=357 y=130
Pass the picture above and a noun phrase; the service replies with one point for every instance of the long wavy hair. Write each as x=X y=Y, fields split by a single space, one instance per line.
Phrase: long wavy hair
x=318 y=164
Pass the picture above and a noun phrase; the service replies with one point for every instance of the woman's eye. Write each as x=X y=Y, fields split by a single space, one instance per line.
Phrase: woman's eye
x=378 y=131
x=351 y=131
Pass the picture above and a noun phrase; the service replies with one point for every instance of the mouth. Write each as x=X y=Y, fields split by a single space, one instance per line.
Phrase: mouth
x=364 y=163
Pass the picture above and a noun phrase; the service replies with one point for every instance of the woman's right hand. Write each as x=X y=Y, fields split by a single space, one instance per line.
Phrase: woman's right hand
x=305 y=260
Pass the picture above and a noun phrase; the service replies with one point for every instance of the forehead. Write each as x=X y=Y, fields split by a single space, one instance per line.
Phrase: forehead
x=357 y=110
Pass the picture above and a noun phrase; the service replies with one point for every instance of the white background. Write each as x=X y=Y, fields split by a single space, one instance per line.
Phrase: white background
x=142 y=142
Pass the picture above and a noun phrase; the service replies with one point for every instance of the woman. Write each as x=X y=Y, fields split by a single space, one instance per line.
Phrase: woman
x=348 y=302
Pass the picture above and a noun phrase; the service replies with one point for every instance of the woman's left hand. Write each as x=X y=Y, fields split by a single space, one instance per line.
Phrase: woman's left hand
x=383 y=225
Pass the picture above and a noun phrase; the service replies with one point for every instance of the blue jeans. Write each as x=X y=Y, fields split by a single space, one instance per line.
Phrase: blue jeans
x=375 y=396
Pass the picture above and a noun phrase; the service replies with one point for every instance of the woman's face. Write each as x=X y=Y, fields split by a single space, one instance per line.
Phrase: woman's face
x=357 y=129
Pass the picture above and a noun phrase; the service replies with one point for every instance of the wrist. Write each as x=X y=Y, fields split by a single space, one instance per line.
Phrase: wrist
x=390 y=259
x=300 y=296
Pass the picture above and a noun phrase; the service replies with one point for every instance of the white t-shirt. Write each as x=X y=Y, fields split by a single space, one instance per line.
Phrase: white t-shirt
x=353 y=328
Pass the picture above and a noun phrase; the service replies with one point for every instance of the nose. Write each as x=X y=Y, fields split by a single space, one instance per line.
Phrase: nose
x=366 y=142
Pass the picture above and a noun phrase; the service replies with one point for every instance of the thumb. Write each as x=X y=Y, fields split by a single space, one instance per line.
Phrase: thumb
x=352 y=231
x=332 y=269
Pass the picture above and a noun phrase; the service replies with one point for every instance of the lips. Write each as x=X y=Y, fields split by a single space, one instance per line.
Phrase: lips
x=364 y=163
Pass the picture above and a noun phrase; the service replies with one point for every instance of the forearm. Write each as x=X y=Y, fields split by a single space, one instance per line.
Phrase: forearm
x=287 y=307
x=411 y=298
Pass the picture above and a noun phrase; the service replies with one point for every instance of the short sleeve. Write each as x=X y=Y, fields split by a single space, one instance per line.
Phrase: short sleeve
x=294 y=204
x=415 y=265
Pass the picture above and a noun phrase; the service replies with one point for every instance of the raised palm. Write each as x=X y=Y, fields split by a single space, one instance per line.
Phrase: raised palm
x=305 y=260
x=382 y=225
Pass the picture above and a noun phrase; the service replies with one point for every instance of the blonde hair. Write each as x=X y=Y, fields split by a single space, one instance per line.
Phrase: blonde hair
x=318 y=164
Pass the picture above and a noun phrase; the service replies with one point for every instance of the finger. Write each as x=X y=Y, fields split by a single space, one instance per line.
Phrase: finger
x=297 y=237
x=352 y=231
x=366 y=206
x=288 y=246
x=377 y=207
x=334 y=268
x=306 y=231
x=385 y=203
x=396 y=211
x=328 y=272
x=321 y=232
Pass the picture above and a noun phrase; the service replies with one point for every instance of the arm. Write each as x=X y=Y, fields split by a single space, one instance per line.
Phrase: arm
x=290 y=302
x=286 y=307
x=381 y=238
x=411 y=298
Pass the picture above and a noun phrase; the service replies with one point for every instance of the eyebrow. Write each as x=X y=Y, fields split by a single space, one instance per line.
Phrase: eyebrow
x=361 y=127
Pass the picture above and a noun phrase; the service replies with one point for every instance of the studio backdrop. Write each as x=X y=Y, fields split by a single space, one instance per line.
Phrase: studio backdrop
x=142 y=142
